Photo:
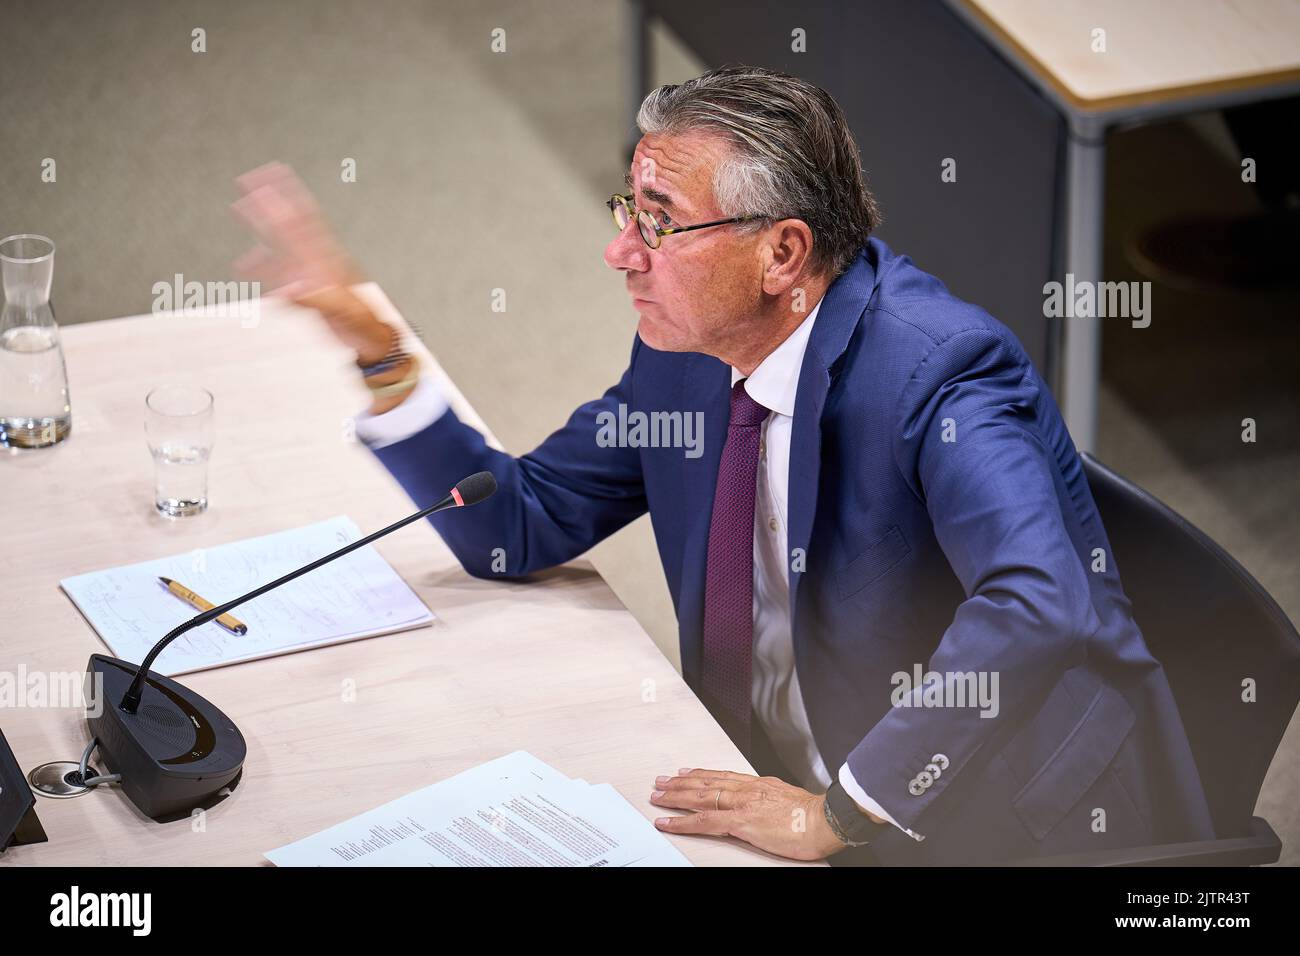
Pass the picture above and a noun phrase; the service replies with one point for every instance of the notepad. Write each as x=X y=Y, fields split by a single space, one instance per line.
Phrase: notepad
x=356 y=596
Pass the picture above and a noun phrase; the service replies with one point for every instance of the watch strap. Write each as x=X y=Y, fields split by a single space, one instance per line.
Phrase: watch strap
x=405 y=382
x=392 y=358
x=847 y=821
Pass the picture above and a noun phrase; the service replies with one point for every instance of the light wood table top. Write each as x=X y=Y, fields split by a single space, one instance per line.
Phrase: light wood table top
x=1156 y=50
x=557 y=667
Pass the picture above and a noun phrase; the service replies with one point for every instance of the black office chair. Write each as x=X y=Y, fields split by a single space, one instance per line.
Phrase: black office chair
x=1203 y=616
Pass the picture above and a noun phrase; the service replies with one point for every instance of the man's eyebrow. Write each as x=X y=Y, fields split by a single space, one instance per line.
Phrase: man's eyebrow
x=649 y=192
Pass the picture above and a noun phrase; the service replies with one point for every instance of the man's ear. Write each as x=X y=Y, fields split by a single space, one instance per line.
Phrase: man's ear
x=787 y=252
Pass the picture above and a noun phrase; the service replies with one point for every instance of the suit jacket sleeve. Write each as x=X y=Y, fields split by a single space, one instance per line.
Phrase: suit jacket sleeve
x=551 y=504
x=969 y=445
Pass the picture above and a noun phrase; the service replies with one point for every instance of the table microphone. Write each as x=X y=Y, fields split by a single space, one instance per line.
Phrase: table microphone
x=171 y=747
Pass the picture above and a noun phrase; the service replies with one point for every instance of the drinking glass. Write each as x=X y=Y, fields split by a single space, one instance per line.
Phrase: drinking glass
x=178 y=424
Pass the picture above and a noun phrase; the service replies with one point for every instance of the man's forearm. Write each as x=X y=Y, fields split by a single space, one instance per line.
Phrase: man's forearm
x=352 y=320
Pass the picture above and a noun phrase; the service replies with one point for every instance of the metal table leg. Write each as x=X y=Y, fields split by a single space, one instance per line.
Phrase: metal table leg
x=1085 y=204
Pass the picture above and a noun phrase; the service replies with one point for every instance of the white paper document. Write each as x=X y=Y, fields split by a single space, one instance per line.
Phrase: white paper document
x=358 y=595
x=512 y=811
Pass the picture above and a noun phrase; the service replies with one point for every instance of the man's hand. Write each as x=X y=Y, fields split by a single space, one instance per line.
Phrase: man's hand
x=299 y=253
x=300 y=259
x=764 y=811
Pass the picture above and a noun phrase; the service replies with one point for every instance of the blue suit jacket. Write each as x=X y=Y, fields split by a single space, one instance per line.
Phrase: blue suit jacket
x=939 y=518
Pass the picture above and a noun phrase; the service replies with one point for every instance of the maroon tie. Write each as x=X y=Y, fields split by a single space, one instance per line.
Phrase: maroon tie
x=726 y=673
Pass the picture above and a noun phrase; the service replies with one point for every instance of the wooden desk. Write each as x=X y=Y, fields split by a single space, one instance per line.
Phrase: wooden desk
x=558 y=668
x=1156 y=52
x=1161 y=59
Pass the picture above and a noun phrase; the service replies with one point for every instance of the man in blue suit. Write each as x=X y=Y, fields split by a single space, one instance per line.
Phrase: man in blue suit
x=893 y=588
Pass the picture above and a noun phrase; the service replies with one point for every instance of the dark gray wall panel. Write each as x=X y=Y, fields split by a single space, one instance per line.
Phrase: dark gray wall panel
x=918 y=86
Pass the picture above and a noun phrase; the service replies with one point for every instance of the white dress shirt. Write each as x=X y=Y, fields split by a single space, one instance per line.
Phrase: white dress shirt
x=778 y=702
x=424 y=406
x=776 y=697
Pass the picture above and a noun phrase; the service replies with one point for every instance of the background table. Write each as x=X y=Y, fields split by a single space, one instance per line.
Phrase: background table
x=1161 y=60
x=557 y=667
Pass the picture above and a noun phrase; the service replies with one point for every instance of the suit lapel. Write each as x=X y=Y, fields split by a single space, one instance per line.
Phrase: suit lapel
x=841 y=308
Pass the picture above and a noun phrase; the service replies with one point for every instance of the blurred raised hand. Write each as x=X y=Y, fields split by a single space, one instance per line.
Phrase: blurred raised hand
x=299 y=258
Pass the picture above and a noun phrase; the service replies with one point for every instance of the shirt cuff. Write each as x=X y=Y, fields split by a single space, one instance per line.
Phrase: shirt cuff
x=860 y=797
x=424 y=406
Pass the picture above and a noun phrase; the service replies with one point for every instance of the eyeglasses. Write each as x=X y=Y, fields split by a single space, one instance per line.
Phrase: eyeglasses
x=622 y=209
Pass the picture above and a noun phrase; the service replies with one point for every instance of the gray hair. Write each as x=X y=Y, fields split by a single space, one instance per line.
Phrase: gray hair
x=792 y=154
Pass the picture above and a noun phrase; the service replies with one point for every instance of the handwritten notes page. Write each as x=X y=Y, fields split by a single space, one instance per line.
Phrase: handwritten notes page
x=358 y=595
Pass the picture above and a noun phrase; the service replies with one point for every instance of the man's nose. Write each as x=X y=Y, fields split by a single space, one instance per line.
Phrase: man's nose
x=628 y=250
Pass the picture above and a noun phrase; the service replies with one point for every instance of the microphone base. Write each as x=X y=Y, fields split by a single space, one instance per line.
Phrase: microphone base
x=176 y=753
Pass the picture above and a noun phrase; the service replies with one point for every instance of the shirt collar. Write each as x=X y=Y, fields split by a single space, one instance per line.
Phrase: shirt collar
x=776 y=380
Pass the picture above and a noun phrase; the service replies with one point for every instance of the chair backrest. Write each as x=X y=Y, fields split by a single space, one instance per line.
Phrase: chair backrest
x=1211 y=625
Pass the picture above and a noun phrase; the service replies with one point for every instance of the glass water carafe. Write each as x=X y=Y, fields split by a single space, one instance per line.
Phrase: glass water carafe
x=34 y=406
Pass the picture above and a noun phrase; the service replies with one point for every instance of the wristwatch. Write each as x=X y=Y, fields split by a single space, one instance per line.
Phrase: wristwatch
x=393 y=357
x=405 y=382
x=847 y=821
